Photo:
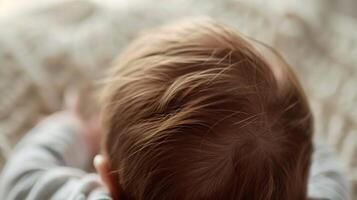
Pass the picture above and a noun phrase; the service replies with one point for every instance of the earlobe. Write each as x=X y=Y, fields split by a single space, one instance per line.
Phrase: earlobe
x=101 y=165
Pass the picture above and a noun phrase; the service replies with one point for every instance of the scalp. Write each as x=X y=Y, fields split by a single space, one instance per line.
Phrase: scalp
x=193 y=111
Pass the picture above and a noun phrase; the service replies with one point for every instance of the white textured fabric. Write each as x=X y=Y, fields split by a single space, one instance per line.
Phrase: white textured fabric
x=326 y=180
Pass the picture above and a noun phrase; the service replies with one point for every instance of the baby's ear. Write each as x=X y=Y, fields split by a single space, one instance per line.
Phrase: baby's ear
x=101 y=164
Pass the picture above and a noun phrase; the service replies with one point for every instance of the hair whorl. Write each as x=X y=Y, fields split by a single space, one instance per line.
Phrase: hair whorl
x=193 y=111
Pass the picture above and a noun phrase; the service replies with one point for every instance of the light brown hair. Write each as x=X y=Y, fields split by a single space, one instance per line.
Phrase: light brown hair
x=193 y=111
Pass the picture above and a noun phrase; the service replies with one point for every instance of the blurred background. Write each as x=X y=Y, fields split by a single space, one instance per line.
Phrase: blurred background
x=47 y=46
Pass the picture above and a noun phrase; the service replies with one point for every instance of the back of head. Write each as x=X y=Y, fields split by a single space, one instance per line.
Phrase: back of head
x=194 y=111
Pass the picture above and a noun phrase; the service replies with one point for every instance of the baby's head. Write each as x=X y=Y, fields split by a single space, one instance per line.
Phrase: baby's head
x=195 y=110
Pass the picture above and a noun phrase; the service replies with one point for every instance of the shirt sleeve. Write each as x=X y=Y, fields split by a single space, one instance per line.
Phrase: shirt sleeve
x=327 y=180
x=48 y=163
